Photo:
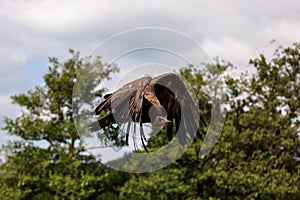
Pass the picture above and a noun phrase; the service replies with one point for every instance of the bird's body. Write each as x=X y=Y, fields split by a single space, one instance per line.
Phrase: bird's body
x=162 y=100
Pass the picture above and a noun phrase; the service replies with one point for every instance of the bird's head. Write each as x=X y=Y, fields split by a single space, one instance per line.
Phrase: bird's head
x=160 y=121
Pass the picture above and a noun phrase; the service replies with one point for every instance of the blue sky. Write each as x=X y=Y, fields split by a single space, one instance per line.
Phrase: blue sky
x=33 y=30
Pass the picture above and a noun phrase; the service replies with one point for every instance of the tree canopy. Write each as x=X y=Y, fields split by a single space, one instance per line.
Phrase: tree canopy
x=256 y=157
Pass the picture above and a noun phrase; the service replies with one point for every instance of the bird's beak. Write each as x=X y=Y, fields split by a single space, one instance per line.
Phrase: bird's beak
x=168 y=121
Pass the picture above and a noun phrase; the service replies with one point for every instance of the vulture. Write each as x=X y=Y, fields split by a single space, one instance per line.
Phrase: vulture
x=161 y=101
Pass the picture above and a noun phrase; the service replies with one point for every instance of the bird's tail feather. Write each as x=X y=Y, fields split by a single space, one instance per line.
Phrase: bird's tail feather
x=102 y=123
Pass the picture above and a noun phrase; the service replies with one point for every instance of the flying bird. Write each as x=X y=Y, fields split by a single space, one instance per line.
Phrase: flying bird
x=161 y=101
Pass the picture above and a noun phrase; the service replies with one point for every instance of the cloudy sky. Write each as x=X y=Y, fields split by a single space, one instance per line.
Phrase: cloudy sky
x=33 y=30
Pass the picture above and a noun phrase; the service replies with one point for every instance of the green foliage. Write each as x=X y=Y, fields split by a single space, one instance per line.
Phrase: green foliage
x=258 y=154
x=56 y=167
x=171 y=185
x=256 y=157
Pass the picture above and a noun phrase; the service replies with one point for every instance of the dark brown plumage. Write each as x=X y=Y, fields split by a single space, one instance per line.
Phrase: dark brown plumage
x=146 y=100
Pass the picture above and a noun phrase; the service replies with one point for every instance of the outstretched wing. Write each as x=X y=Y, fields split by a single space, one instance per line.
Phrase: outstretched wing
x=123 y=106
x=180 y=107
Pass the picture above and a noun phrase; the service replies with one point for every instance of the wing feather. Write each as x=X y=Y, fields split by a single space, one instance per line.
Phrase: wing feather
x=124 y=106
x=174 y=97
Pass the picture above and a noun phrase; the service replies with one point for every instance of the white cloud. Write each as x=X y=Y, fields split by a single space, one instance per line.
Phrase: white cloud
x=230 y=49
x=286 y=31
x=11 y=60
x=61 y=17
x=7 y=108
